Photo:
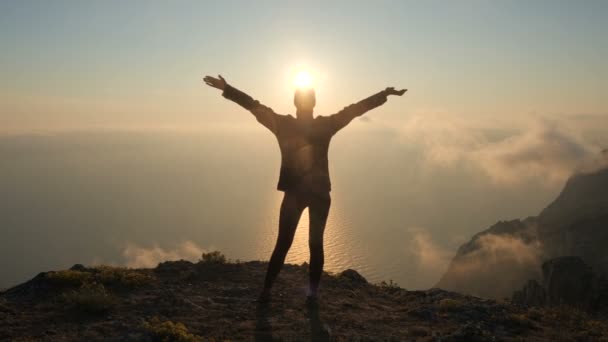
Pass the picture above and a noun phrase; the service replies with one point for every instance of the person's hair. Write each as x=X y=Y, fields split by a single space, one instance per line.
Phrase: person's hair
x=304 y=98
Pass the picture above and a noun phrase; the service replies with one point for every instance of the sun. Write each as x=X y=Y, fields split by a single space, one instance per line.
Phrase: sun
x=303 y=79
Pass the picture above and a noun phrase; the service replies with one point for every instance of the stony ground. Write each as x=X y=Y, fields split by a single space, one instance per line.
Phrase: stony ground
x=211 y=300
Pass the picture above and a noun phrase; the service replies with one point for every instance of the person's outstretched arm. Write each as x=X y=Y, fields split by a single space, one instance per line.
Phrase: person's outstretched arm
x=346 y=115
x=265 y=115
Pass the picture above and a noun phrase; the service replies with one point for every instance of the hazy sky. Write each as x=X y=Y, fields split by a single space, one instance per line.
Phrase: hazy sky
x=83 y=64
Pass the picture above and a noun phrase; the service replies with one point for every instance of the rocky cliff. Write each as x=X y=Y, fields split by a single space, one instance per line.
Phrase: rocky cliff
x=566 y=280
x=576 y=223
x=508 y=254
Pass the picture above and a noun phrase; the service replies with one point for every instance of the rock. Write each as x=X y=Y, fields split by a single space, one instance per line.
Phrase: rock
x=174 y=266
x=576 y=222
x=568 y=281
x=78 y=267
x=500 y=260
x=600 y=300
x=533 y=294
x=353 y=276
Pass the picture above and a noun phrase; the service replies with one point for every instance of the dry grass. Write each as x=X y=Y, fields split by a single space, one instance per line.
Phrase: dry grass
x=107 y=275
x=90 y=298
x=69 y=278
x=159 y=330
x=573 y=319
x=121 y=276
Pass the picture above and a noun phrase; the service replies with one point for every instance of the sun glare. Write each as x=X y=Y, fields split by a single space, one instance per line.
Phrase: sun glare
x=303 y=79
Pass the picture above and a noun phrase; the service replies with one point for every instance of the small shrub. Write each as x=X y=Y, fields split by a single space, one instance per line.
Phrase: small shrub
x=390 y=285
x=215 y=257
x=168 y=331
x=69 y=278
x=450 y=304
x=90 y=298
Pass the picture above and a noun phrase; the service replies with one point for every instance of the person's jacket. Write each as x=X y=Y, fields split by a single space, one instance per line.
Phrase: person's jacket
x=304 y=144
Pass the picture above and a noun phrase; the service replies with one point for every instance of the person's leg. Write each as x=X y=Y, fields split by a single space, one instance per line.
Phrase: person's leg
x=291 y=211
x=318 y=211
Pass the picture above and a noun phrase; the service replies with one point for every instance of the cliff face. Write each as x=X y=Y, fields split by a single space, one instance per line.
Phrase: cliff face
x=575 y=224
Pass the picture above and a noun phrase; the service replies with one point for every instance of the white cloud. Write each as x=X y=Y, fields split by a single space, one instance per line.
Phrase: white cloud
x=495 y=265
x=545 y=152
x=444 y=139
x=136 y=256
x=492 y=250
x=541 y=151
x=426 y=252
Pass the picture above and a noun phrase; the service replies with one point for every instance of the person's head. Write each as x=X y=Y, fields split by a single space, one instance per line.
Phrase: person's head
x=304 y=100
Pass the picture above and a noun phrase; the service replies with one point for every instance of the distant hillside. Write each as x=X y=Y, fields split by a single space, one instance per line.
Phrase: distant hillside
x=212 y=300
x=501 y=259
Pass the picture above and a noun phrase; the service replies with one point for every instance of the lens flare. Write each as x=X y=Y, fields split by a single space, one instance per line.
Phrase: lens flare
x=303 y=79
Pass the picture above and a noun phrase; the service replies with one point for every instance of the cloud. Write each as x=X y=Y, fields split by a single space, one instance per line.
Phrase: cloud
x=542 y=151
x=136 y=256
x=545 y=152
x=599 y=162
x=444 y=140
x=493 y=249
x=426 y=252
x=495 y=265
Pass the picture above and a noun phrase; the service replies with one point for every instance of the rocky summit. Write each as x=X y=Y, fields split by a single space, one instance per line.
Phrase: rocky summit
x=214 y=300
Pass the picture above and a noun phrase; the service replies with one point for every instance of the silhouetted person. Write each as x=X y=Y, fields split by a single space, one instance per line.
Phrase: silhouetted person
x=304 y=143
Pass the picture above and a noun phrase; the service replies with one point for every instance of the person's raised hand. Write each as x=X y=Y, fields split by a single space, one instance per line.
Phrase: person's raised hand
x=219 y=83
x=392 y=91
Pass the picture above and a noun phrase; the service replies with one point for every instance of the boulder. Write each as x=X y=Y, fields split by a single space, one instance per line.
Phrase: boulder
x=353 y=276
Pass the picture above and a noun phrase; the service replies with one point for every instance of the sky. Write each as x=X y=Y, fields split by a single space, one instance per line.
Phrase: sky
x=71 y=65
x=113 y=150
